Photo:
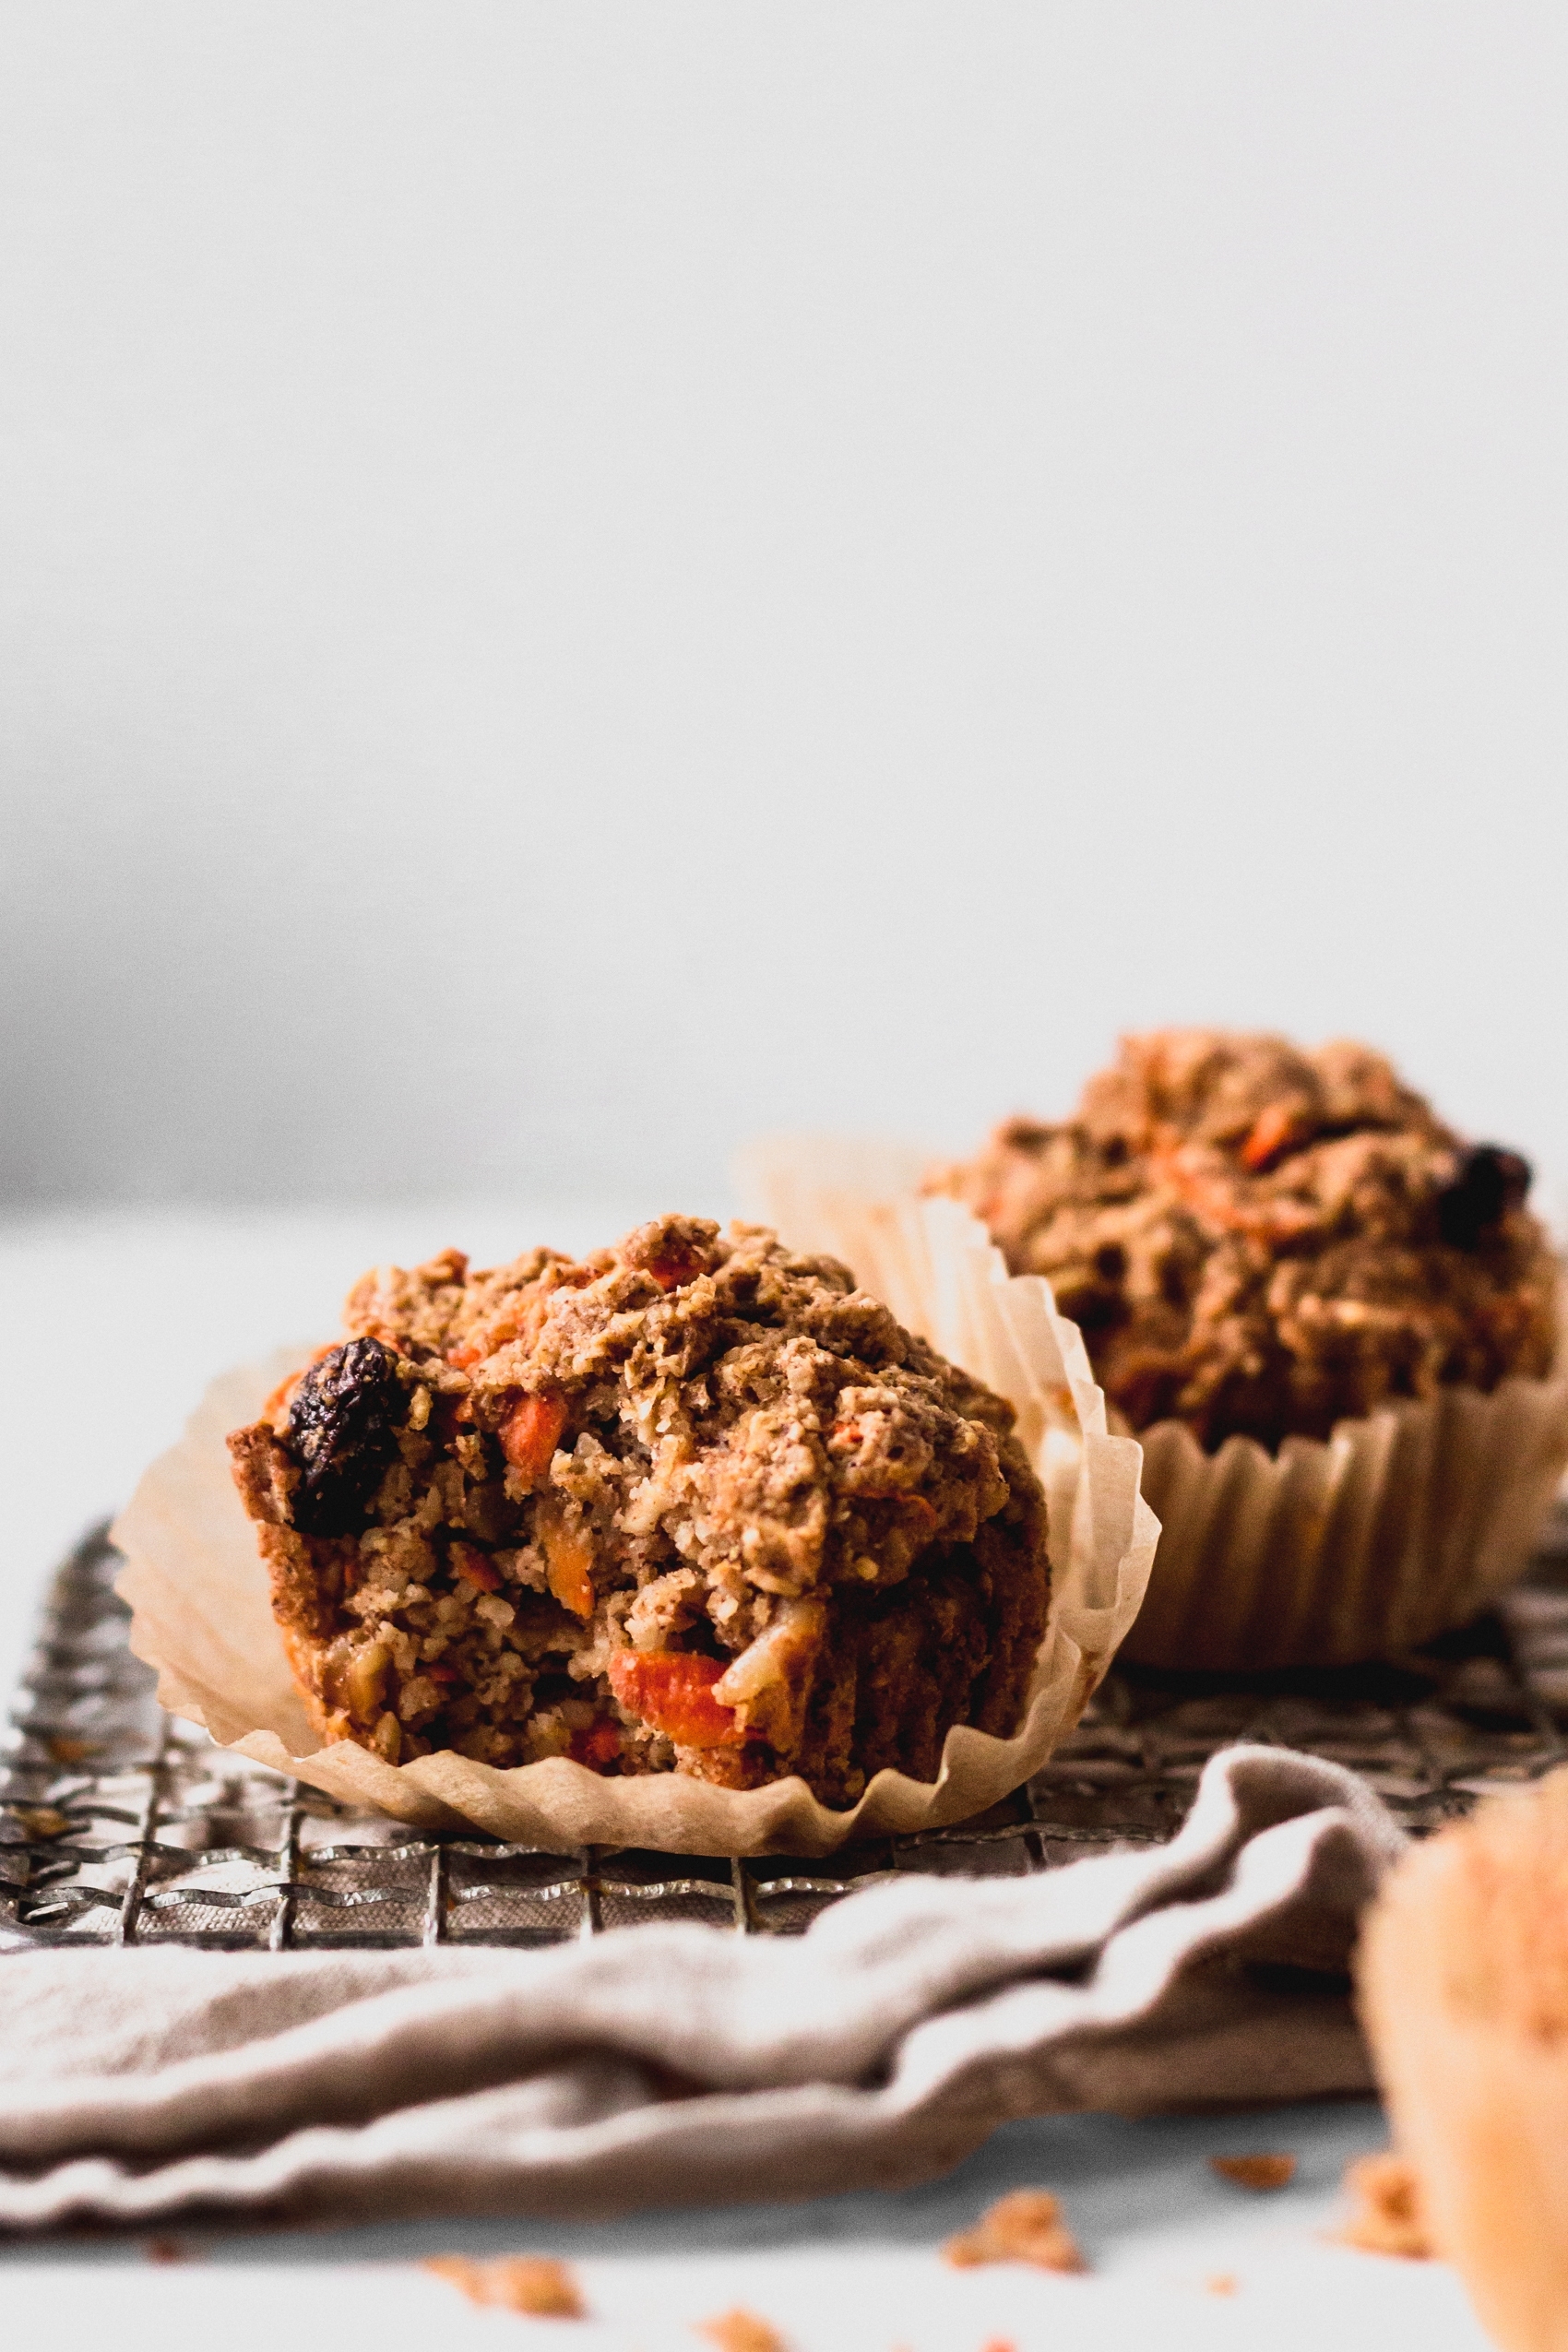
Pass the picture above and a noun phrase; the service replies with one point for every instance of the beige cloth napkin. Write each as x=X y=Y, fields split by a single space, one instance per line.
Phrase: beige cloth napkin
x=688 y=2065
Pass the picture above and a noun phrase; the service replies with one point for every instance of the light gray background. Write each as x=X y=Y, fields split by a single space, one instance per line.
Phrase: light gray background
x=581 y=580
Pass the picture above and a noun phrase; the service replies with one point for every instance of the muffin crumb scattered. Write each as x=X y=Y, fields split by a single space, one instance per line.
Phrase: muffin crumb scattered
x=1221 y=2282
x=1024 y=2226
x=534 y=2283
x=1386 y=2218
x=1255 y=2172
x=740 y=2331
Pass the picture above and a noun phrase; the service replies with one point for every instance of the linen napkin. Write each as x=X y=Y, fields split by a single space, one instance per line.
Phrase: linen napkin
x=667 y=2065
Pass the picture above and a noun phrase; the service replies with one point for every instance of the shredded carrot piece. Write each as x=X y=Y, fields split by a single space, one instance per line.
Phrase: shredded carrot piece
x=531 y=1431
x=476 y=1568
x=568 y=1569
x=600 y=1744
x=673 y=1692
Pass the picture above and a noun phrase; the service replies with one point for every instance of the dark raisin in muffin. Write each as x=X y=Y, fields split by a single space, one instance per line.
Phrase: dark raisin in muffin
x=692 y=1505
x=1259 y=1241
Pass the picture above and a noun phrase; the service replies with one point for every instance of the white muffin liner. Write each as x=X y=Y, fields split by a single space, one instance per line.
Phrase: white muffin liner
x=198 y=1593
x=1396 y=1528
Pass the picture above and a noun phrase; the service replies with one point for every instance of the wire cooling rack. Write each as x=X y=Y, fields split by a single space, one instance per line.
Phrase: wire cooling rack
x=119 y=1825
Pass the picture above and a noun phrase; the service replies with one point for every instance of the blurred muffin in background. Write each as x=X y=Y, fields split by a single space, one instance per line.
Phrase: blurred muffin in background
x=1331 y=1321
x=1259 y=1241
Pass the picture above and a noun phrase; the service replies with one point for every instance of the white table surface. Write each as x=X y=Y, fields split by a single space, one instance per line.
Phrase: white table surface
x=863 y=2274
x=110 y=1326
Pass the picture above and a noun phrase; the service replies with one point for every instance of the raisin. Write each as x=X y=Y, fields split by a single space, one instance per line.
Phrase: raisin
x=342 y=1429
x=1488 y=1182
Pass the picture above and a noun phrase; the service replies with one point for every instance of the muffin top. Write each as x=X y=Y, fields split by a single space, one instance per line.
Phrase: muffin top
x=1261 y=1241
x=721 y=1403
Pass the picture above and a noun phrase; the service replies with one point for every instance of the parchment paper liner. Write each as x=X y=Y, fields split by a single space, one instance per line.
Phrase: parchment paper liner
x=1397 y=1527
x=200 y=1613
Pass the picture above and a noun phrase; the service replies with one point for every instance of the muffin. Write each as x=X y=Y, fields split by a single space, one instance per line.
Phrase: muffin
x=1331 y=1322
x=694 y=1504
x=1263 y=1242
x=1462 y=1986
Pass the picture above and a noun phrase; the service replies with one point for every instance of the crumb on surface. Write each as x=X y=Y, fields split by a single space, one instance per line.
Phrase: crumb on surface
x=1386 y=2212
x=68 y=1751
x=535 y=2284
x=167 y=2249
x=740 y=2331
x=1220 y=2282
x=1256 y=2172
x=1024 y=2227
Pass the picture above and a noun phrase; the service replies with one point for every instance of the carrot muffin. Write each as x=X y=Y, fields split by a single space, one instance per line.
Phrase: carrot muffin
x=1259 y=1241
x=692 y=1505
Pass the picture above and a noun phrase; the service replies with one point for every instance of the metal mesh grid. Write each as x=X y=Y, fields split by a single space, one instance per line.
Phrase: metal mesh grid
x=119 y=1825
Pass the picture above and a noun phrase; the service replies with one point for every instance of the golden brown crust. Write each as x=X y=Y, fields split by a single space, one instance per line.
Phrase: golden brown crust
x=692 y=1505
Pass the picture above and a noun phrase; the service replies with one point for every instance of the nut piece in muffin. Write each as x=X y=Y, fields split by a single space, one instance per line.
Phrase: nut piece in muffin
x=1261 y=1241
x=694 y=1504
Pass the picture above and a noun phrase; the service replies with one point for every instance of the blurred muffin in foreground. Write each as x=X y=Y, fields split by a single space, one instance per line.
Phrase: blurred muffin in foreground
x=1462 y=1979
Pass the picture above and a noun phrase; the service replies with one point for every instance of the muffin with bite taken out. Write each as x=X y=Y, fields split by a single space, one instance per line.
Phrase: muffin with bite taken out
x=693 y=1504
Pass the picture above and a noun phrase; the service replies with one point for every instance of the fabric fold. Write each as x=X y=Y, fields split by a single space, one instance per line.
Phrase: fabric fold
x=676 y=2063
